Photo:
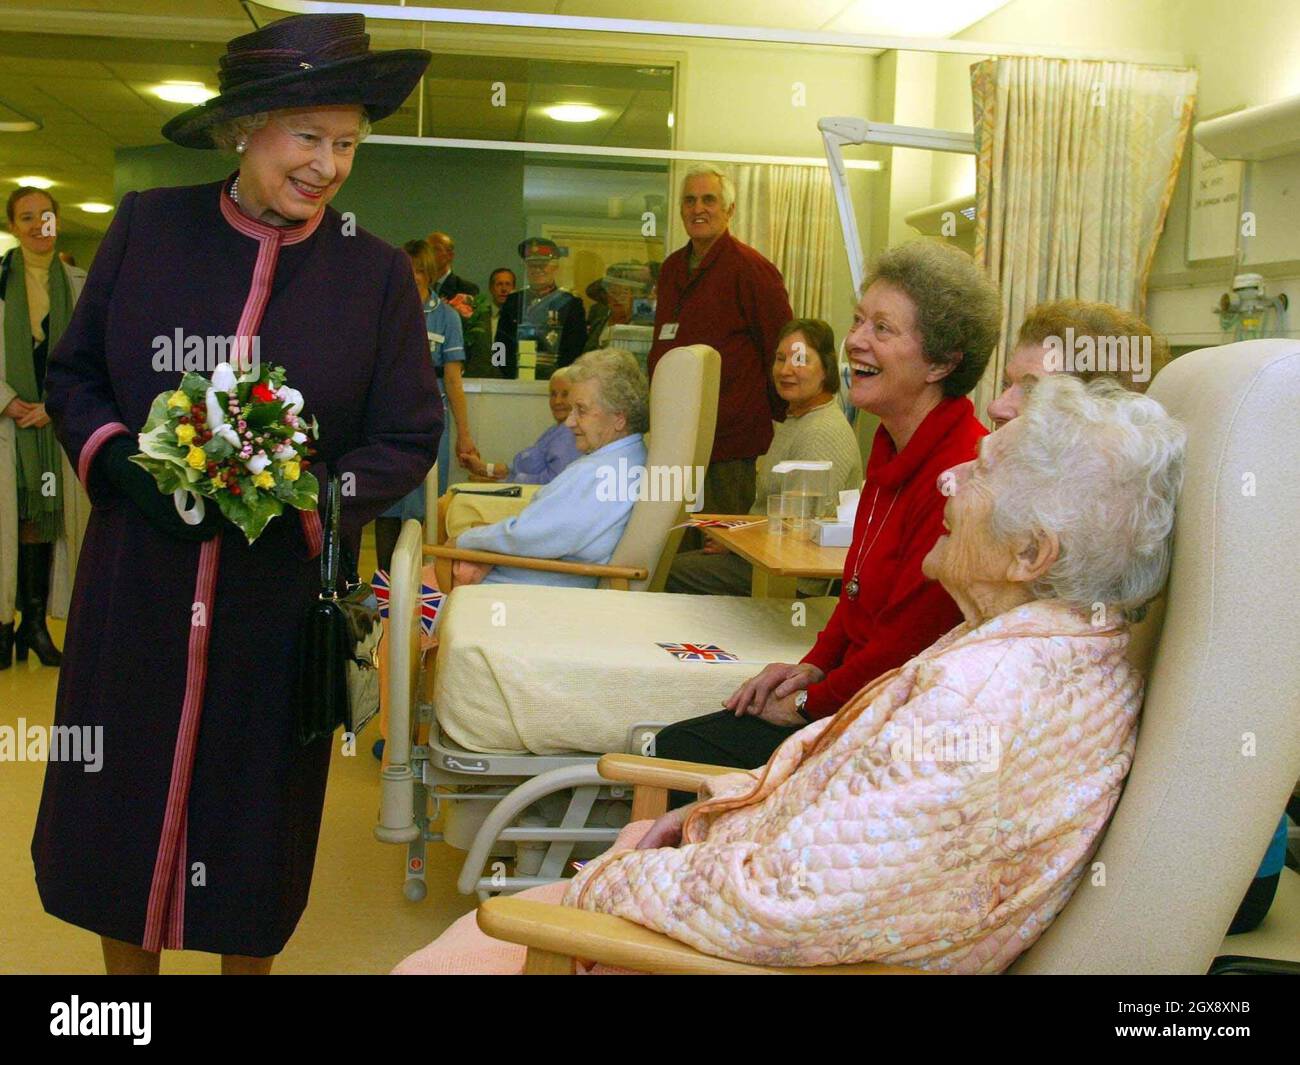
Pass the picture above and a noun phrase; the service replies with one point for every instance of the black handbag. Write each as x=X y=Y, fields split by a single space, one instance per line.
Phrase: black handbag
x=338 y=657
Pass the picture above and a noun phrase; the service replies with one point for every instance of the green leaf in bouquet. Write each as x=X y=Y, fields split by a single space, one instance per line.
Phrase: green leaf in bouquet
x=168 y=475
x=160 y=443
x=260 y=415
x=305 y=492
x=195 y=386
x=218 y=449
x=159 y=412
x=250 y=511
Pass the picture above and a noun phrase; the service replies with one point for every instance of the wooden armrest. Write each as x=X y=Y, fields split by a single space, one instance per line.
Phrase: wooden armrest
x=559 y=932
x=551 y=565
x=659 y=772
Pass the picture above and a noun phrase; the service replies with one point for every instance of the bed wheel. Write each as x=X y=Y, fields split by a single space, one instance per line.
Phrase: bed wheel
x=415 y=890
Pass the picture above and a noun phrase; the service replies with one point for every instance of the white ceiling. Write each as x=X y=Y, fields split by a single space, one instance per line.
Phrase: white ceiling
x=84 y=68
x=917 y=18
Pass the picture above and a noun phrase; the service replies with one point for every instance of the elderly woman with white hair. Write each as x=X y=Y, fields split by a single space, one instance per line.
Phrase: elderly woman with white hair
x=580 y=515
x=943 y=817
x=542 y=461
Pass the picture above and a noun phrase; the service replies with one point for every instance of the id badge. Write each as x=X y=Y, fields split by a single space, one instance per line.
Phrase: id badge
x=436 y=338
x=668 y=331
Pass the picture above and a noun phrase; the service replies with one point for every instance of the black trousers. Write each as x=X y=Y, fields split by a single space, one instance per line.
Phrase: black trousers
x=719 y=739
x=1254 y=907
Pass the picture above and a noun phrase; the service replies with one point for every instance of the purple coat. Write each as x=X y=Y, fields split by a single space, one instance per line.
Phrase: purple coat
x=200 y=829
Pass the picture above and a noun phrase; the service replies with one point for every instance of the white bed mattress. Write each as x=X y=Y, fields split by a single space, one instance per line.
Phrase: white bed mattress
x=523 y=668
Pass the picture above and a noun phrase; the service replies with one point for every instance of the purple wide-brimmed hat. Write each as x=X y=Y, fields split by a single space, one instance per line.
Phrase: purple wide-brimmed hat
x=303 y=61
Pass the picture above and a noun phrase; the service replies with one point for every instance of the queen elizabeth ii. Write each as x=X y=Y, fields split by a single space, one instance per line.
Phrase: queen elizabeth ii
x=200 y=831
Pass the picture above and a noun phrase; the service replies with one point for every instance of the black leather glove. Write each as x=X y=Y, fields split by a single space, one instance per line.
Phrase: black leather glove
x=137 y=484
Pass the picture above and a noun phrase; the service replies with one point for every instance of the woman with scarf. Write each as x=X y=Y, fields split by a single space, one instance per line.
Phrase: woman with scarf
x=42 y=507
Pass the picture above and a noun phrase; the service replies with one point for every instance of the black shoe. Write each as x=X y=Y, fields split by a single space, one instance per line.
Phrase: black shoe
x=6 y=645
x=33 y=591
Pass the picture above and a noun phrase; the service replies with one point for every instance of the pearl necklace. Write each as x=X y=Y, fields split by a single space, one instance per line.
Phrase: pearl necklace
x=851 y=589
x=234 y=189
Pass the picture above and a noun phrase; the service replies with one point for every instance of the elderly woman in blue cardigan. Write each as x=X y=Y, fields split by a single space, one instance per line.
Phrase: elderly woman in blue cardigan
x=579 y=516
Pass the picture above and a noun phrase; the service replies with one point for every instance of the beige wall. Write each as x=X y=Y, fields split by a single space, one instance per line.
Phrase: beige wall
x=1246 y=54
x=735 y=97
x=738 y=97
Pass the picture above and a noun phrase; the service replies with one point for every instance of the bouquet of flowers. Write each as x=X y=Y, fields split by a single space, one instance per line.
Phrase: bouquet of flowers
x=239 y=441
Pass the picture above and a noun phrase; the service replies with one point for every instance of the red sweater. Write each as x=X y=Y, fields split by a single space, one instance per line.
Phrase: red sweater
x=736 y=302
x=898 y=612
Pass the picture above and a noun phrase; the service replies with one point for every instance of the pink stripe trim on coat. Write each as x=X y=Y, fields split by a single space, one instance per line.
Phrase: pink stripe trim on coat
x=165 y=910
x=90 y=449
x=311 y=530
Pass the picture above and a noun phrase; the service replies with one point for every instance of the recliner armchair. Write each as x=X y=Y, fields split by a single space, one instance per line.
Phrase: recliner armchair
x=1218 y=746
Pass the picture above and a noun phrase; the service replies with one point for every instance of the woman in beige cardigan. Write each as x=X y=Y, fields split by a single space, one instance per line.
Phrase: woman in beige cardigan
x=804 y=373
x=43 y=508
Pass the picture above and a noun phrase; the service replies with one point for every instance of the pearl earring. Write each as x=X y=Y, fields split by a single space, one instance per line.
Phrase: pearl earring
x=241 y=147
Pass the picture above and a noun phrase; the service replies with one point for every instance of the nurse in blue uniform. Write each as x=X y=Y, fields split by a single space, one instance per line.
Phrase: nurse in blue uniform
x=447 y=349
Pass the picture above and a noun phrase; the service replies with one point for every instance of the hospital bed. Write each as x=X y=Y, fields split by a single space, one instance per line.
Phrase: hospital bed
x=526 y=674
x=1218 y=745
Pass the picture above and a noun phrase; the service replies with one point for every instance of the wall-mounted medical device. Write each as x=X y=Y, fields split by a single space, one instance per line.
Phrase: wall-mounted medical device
x=1248 y=312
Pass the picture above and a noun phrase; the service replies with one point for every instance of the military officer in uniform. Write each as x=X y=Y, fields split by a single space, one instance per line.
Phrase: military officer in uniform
x=542 y=312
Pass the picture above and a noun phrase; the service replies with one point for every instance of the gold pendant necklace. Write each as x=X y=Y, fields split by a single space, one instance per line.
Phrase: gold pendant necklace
x=851 y=589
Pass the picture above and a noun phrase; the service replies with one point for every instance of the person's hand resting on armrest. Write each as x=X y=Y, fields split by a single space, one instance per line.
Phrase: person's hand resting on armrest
x=667 y=830
x=770 y=694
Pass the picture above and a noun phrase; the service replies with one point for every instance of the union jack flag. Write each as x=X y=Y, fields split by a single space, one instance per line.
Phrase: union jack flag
x=379 y=582
x=430 y=601
x=699 y=652
x=720 y=523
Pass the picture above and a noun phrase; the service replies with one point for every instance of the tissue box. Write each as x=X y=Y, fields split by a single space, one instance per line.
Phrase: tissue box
x=833 y=533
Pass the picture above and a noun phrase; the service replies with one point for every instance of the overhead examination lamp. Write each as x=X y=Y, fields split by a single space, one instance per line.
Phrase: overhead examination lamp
x=836 y=133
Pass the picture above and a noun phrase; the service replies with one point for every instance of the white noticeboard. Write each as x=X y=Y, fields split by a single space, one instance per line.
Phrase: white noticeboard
x=1214 y=206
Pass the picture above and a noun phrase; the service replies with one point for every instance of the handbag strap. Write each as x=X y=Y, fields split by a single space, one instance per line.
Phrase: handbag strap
x=333 y=545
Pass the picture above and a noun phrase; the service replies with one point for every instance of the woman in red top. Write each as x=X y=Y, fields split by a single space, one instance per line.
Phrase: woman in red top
x=922 y=334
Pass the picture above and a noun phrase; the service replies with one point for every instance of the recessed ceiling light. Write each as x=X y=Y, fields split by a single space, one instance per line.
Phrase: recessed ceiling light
x=35 y=181
x=573 y=112
x=94 y=207
x=183 y=92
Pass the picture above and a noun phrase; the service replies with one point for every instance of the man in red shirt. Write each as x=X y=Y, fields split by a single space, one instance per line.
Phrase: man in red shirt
x=723 y=293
